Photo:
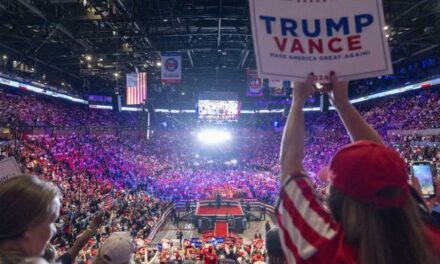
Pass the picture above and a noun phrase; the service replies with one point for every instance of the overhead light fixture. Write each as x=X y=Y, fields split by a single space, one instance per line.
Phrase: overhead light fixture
x=116 y=74
x=158 y=64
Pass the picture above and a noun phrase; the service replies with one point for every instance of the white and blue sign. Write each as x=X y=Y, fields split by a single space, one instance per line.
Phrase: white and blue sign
x=294 y=38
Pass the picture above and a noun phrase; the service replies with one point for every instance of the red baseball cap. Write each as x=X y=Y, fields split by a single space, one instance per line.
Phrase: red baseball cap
x=362 y=169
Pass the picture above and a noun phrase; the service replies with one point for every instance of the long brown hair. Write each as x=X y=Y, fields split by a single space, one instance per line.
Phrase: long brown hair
x=24 y=200
x=382 y=236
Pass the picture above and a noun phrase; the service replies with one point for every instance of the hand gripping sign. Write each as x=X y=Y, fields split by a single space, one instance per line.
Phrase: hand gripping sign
x=295 y=37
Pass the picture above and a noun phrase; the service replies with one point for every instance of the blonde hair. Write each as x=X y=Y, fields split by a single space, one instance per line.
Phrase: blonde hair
x=24 y=201
x=382 y=236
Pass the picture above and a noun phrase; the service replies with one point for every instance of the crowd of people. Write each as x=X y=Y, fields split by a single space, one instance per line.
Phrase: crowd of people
x=143 y=177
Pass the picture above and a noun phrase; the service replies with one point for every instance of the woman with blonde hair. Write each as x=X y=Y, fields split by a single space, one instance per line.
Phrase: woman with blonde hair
x=29 y=207
x=373 y=219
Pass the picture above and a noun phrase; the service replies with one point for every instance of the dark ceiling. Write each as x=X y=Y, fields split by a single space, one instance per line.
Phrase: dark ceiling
x=85 y=42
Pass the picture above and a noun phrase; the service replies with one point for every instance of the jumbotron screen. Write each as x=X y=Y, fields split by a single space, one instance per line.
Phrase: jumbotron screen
x=219 y=110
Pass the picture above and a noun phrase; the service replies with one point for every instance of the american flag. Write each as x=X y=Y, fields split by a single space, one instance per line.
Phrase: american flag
x=136 y=88
x=108 y=202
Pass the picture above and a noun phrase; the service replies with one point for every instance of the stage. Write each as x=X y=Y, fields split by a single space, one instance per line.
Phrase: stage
x=223 y=210
x=210 y=215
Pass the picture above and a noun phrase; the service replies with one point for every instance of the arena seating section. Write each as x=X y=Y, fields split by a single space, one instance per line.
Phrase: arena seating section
x=143 y=176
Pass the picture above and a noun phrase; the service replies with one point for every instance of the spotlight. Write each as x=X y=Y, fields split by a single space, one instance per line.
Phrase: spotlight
x=212 y=137
x=158 y=64
x=89 y=57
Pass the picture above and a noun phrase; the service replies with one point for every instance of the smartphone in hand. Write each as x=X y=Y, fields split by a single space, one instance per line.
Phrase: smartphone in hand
x=424 y=172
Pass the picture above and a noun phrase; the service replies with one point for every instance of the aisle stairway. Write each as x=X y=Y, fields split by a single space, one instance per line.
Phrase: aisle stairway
x=221 y=229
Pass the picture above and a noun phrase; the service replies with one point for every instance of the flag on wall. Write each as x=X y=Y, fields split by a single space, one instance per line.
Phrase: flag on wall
x=136 y=88
x=254 y=84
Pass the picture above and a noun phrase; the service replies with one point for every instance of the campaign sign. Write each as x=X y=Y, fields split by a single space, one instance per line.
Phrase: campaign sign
x=8 y=169
x=171 y=71
x=293 y=38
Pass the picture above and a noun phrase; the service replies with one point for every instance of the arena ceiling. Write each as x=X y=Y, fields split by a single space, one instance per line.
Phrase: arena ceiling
x=85 y=42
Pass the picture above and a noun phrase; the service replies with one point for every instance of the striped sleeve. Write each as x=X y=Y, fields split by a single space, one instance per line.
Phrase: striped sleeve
x=304 y=224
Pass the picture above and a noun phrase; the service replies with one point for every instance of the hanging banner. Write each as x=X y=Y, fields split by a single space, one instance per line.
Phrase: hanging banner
x=254 y=84
x=294 y=38
x=171 y=69
x=278 y=88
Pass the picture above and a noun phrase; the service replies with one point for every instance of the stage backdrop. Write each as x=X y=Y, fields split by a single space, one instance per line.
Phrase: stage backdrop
x=294 y=38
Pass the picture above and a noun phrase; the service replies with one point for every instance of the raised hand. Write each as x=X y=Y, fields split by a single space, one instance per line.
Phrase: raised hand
x=302 y=90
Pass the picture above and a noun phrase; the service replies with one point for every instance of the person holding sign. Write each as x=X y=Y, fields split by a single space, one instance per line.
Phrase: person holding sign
x=29 y=208
x=372 y=219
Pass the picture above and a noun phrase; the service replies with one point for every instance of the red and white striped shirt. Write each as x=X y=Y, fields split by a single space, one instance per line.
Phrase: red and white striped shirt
x=308 y=233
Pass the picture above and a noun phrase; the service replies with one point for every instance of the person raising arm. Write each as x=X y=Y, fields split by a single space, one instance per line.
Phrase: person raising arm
x=372 y=217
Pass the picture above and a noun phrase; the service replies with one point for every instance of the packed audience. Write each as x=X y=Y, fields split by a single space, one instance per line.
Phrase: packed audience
x=143 y=177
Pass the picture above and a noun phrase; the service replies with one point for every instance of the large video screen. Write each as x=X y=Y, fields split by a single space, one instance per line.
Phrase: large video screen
x=219 y=110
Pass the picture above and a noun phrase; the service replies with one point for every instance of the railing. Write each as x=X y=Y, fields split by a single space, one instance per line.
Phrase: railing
x=159 y=224
x=254 y=203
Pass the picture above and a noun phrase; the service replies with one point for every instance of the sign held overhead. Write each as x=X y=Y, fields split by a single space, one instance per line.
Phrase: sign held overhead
x=293 y=38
